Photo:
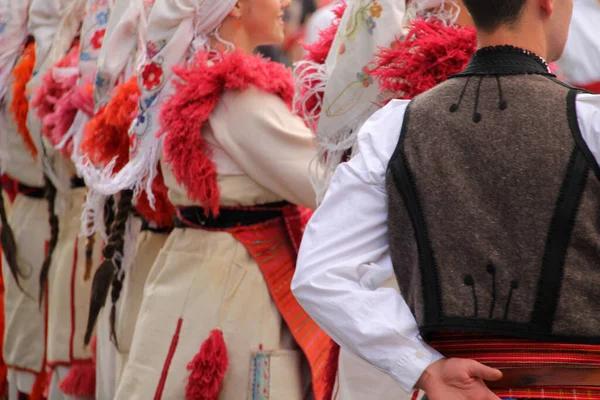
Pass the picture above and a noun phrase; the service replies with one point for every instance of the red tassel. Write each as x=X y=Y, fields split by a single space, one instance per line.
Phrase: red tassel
x=430 y=53
x=80 y=381
x=20 y=106
x=40 y=386
x=208 y=369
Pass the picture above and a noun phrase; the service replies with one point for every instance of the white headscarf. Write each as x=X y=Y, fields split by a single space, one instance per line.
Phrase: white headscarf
x=124 y=47
x=350 y=95
x=176 y=30
x=13 y=32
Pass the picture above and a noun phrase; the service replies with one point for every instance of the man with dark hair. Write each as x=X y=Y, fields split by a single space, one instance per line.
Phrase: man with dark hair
x=489 y=15
x=481 y=196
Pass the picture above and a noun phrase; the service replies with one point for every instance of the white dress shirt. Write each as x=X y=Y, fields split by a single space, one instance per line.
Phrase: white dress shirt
x=344 y=257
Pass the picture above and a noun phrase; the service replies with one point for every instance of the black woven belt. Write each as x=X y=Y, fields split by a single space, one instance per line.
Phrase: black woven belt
x=30 y=191
x=195 y=217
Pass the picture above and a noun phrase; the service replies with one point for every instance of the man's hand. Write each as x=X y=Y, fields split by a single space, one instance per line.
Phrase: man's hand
x=458 y=379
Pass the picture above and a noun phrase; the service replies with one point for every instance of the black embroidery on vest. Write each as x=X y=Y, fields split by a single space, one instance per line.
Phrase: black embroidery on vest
x=491 y=269
x=476 y=114
x=514 y=285
x=557 y=241
x=454 y=107
x=469 y=281
x=405 y=182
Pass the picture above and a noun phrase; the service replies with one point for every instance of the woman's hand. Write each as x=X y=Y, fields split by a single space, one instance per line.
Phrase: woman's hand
x=458 y=379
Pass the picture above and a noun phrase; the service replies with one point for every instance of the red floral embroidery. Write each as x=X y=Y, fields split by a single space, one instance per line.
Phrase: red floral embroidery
x=98 y=38
x=151 y=76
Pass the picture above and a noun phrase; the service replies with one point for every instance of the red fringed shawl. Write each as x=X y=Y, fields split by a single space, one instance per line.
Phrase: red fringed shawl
x=198 y=89
x=430 y=54
x=106 y=137
x=19 y=106
x=56 y=83
x=317 y=53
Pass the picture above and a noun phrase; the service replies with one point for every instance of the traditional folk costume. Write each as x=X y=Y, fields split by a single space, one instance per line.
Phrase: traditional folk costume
x=580 y=60
x=56 y=101
x=24 y=341
x=491 y=237
x=426 y=48
x=106 y=141
x=217 y=311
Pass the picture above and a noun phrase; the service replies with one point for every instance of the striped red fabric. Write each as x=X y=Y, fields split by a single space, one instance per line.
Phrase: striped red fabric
x=270 y=246
x=498 y=351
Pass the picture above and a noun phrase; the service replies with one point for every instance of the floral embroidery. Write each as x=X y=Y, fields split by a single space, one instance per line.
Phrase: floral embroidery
x=2 y=26
x=367 y=11
x=98 y=38
x=364 y=77
x=85 y=57
x=102 y=18
x=371 y=25
x=152 y=49
x=151 y=76
x=99 y=81
x=375 y=10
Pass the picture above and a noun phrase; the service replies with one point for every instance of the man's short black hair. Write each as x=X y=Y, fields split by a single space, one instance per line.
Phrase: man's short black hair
x=489 y=15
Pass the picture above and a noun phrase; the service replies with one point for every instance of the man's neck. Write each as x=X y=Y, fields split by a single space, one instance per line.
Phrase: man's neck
x=518 y=38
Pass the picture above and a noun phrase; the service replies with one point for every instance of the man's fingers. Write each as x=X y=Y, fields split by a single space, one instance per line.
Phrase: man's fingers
x=478 y=370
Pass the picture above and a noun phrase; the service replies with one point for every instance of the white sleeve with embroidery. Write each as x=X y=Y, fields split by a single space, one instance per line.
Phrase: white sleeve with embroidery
x=344 y=259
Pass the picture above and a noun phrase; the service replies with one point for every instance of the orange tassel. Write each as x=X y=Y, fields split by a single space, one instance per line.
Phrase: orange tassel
x=207 y=369
x=20 y=106
x=105 y=135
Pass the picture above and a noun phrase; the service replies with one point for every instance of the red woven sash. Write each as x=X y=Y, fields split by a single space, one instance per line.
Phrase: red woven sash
x=501 y=352
x=270 y=245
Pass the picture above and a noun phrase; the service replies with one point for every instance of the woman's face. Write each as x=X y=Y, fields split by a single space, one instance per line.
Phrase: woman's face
x=263 y=20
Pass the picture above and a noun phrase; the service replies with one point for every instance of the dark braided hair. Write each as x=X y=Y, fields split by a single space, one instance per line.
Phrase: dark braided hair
x=109 y=271
x=9 y=244
x=51 y=194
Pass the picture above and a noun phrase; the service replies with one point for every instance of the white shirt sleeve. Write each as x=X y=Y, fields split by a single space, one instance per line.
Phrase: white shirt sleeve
x=588 y=116
x=344 y=259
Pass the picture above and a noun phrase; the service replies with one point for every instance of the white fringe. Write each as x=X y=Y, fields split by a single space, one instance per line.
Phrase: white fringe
x=311 y=79
x=92 y=216
x=138 y=174
x=432 y=9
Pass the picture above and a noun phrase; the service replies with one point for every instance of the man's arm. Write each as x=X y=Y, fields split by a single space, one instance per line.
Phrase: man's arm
x=344 y=259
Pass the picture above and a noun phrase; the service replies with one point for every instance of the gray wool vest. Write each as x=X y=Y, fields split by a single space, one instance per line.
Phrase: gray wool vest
x=494 y=207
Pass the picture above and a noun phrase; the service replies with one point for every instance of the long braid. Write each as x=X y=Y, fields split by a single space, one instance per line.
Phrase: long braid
x=9 y=244
x=110 y=269
x=51 y=194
